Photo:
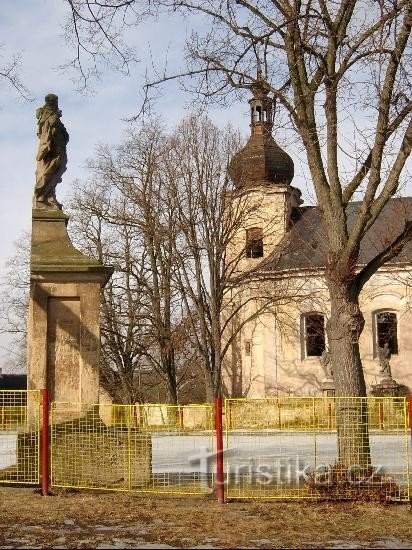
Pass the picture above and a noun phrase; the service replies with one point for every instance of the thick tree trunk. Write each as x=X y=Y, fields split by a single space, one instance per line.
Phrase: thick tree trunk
x=344 y=328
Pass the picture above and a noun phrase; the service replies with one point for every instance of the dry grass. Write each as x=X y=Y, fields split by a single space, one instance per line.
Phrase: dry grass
x=75 y=520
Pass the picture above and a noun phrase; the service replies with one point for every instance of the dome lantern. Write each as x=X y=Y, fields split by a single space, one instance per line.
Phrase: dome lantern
x=261 y=109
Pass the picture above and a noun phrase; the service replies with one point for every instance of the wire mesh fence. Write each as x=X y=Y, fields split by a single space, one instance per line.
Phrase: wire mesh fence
x=285 y=448
x=316 y=447
x=152 y=448
x=19 y=436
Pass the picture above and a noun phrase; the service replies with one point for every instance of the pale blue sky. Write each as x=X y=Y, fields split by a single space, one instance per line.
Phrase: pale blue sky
x=34 y=28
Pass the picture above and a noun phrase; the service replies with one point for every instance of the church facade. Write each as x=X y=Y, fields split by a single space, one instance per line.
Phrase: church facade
x=282 y=243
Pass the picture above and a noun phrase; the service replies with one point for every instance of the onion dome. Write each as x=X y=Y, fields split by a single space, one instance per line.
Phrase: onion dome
x=261 y=161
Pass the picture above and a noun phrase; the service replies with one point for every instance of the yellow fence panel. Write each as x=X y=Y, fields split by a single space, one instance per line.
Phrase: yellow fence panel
x=152 y=448
x=317 y=447
x=19 y=436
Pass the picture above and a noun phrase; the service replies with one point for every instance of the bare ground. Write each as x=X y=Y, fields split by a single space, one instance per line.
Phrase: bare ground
x=124 y=520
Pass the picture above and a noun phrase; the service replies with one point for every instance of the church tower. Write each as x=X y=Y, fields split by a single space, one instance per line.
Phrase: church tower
x=262 y=173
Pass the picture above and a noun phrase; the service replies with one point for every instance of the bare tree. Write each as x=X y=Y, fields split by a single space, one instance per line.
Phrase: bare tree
x=143 y=322
x=95 y=31
x=220 y=296
x=123 y=325
x=10 y=73
x=14 y=300
x=170 y=195
x=335 y=69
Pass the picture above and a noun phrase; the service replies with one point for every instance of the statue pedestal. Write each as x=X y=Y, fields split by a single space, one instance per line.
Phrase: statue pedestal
x=328 y=387
x=63 y=336
x=387 y=387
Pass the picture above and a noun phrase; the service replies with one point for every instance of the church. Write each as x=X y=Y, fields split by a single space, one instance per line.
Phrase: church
x=283 y=350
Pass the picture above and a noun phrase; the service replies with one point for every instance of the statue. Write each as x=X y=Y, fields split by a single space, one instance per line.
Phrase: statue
x=51 y=156
x=326 y=362
x=384 y=355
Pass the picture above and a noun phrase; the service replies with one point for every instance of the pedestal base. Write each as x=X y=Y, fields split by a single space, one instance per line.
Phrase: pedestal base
x=387 y=387
x=63 y=323
x=328 y=387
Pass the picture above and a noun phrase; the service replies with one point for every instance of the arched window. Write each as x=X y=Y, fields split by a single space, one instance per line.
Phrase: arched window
x=313 y=334
x=254 y=242
x=385 y=327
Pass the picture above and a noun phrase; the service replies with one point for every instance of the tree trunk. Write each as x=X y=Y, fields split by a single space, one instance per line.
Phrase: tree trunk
x=171 y=389
x=344 y=328
x=168 y=361
x=209 y=386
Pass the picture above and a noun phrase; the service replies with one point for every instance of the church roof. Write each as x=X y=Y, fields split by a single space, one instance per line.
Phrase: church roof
x=305 y=245
x=261 y=161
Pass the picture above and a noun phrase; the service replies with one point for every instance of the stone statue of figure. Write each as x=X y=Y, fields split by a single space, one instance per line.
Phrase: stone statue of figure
x=326 y=362
x=51 y=155
x=384 y=355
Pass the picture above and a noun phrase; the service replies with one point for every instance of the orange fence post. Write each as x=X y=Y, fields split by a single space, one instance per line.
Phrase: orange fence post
x=45 y=444
x=220 y=483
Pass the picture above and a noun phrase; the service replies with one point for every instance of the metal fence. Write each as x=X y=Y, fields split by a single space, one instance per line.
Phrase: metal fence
x=20 y=437
x=284 y=448
x=317 y=448
x=146 y=448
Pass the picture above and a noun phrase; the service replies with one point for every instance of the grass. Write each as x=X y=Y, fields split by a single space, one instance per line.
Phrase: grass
x=184 y=522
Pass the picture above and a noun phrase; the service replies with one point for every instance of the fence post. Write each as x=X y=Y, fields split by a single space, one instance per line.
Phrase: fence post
x=381 y=417
x=329 y=416
x=410 y=413
x=45 y=443
x=129 y=445
x=220 y=481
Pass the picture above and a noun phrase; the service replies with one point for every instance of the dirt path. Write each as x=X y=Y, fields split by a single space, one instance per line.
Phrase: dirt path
x=121 y=520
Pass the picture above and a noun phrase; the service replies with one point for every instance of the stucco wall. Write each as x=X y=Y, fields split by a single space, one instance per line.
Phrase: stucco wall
x=277 y=363
x=265 y=207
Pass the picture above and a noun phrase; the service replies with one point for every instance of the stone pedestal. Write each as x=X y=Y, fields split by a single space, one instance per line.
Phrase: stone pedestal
x=63 y=322
x=328 y=387
x=388 y=387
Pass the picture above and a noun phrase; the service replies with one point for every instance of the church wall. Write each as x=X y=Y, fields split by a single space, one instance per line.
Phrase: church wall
x=288 y=373
x=262 y=207
x=385 y=291
x=243 y=370
x=277 y=364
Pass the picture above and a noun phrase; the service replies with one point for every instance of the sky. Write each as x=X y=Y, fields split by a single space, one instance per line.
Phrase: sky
x=34 y=29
